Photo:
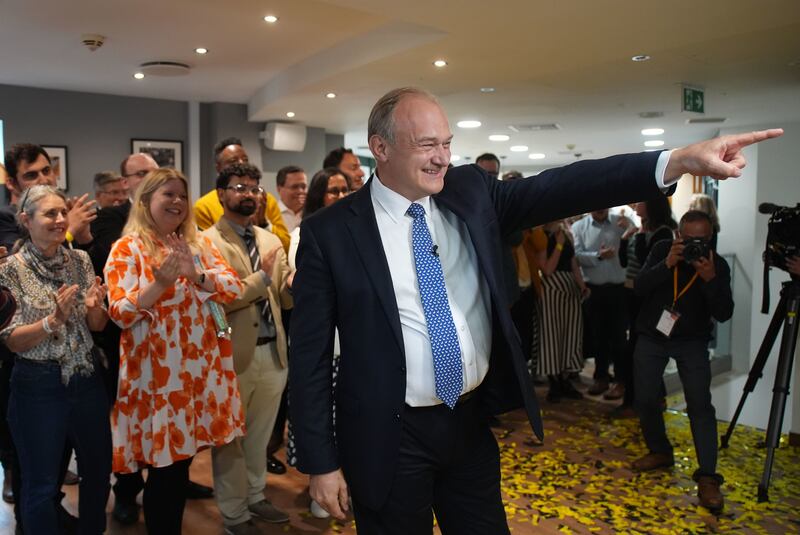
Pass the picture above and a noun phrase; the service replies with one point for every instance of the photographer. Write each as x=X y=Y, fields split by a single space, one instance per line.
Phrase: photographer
x=683 y=285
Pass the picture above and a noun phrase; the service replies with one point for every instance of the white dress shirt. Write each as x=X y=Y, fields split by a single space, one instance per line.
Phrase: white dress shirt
x=467 y=292
x=291 y=220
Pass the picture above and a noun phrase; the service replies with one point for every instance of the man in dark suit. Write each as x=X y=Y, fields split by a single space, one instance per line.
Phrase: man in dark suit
x=408 y=269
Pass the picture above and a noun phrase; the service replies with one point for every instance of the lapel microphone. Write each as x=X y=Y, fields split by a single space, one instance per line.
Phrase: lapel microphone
x=435 y=251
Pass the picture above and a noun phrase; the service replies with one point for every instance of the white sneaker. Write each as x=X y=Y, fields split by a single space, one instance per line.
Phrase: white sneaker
x=317 y=511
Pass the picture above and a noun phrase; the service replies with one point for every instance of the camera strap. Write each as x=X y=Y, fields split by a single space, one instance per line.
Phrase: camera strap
x=675 y=294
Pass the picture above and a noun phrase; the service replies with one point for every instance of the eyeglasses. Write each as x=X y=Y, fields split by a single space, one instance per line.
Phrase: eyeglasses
x=241 y=189
x=33 y=175
x=337 y=191
x=140 y=174
x=297 y=187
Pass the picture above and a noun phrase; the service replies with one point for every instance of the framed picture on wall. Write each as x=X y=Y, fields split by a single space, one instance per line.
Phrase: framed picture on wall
x=166 y=153
x=58 y=163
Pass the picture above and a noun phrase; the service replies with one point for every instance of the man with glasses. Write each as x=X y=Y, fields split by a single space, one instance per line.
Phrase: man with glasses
x=292 y=185
x=259 y=349
x=110 y=189
x=207 y=209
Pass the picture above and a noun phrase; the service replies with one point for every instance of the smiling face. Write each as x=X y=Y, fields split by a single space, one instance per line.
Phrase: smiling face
x=293 y=191
x=169 y=206
x=351 y=166
x=414 y=165
x=47 y=221
x=337 y=189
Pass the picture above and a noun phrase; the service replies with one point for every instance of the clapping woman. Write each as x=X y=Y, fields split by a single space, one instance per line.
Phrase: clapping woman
x=56 y=393
x=177 y=390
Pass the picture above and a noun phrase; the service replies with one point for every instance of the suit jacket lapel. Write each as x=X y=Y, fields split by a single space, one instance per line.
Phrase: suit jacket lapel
x=235 y=241
x=364 y=231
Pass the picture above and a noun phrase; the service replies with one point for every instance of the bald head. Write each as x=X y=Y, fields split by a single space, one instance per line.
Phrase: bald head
x=135 y=167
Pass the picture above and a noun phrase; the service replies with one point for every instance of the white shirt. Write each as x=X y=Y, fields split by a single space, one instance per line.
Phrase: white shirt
x=467 y=292
x=291 y=219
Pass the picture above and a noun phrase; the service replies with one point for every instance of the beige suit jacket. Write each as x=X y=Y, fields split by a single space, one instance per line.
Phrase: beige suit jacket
x=243 y=314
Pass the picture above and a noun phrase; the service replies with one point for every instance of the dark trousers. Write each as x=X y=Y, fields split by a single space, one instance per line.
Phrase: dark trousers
x=623 y=368
x=448 y=464
x=44 y=414
x=128 y=486
x=650 y=359
x=522 y=315
x=165 y=497
x=608 y=318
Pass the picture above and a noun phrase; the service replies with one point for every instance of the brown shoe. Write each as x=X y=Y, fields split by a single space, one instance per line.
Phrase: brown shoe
x=598 y=387
x=709 y=493
x=653 y=461
x=616 y=392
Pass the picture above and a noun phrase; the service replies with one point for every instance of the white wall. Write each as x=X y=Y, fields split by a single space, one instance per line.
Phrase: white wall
x=771 y=176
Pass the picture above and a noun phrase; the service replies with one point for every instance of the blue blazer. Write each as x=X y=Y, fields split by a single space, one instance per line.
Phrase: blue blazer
x=343 y=282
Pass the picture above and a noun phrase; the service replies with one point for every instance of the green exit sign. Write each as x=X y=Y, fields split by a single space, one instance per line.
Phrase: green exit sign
x=693 y=100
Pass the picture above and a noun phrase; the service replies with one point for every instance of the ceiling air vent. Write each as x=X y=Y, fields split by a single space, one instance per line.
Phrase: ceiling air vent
x=534 y=127
x=651 y=114
x=706 y=120
x=164 y=68
x=93 y=41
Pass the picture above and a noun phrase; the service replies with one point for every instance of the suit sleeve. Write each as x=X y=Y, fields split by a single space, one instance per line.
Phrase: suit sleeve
x=654 y=272
x=106 y=229
x=311 y=356
x=9 y=229
x=573 y=189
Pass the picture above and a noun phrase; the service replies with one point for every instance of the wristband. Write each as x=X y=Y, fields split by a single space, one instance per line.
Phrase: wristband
x=69 y=237
x=46 y=325
x=560 y=246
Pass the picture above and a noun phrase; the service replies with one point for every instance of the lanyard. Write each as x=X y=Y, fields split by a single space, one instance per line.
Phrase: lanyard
x=675 y=294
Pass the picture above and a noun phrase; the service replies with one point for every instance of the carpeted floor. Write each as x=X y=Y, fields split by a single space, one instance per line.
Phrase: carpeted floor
x=579 y=481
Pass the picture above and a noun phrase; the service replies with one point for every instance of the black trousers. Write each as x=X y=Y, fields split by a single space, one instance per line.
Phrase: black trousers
x=448 y=465
x=608 y=317
x=165 y=498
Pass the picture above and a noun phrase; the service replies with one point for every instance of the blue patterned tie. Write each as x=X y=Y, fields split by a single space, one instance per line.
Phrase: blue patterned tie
x=441 y=329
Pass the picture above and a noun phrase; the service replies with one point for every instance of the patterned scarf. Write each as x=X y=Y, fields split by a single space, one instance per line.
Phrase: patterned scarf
x=54 y=268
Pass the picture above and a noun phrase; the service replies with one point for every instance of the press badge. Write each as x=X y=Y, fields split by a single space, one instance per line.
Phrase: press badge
x=666 y=323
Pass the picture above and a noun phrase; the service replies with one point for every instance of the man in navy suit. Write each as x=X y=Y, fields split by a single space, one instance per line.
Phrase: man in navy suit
x=405 y=446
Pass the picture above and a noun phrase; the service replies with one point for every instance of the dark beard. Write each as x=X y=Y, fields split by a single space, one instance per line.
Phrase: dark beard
x=244 y=208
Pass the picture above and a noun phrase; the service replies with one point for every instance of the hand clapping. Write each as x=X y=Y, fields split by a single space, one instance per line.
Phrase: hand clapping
x=65 y=301
x=95 y=294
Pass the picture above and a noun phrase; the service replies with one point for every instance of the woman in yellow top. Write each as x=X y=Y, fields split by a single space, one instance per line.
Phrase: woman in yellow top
x=177 y=391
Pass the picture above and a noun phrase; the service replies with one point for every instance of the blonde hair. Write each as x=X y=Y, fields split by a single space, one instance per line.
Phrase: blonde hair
x=140 y=221
x=704 y=203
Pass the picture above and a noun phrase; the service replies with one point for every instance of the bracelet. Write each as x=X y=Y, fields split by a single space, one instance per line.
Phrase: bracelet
x=46 y=325
x=560 y=246
x=69 y=237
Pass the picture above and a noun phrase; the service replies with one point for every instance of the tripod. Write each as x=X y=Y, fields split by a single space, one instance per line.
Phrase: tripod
x=785 y=315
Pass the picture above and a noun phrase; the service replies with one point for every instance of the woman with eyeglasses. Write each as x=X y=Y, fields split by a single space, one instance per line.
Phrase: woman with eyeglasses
x=327 y=186
x=56 y=392
x=177 y=392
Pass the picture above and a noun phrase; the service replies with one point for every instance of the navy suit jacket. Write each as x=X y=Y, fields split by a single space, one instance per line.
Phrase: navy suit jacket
x=343 y=282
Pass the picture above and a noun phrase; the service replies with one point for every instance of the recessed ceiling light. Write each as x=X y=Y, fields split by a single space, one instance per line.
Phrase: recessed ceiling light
x=487 y=89
x=290 y=114
x=440 y=63
x=499 y=137
x=330 y=95
x=454 y=157
x=654 y=143
x=536 y=156
x=201 y=50
x=468 y=124
x=272 y=19
x=138 y=75
x=652 y=131
x=519 y=148
x=640 y=57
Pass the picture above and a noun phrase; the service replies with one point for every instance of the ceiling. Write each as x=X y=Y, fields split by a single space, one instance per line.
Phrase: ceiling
x=549 y=61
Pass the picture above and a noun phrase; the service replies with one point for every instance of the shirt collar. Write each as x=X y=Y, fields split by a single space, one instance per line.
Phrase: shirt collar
x=393 y=203
x=238 y=229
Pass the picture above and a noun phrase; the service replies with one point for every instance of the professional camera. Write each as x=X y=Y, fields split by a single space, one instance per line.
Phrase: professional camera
x=694 y=249
x=783 y=234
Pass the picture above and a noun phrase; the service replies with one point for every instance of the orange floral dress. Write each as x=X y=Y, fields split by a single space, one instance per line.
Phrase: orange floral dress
x=177 y=391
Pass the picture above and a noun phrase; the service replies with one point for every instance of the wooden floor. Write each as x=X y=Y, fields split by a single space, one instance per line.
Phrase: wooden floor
x=578 y=482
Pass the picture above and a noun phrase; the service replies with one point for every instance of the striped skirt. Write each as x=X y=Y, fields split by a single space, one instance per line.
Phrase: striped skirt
x=559 y=325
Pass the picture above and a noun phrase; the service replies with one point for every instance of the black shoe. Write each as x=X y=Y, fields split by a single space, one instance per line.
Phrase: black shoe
x=196 y=491
x=68 y=523
x=568 y=390
x=71 y=478
x=125 y=513
x=8 y=491
x=495 y=422
x=274 y=466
